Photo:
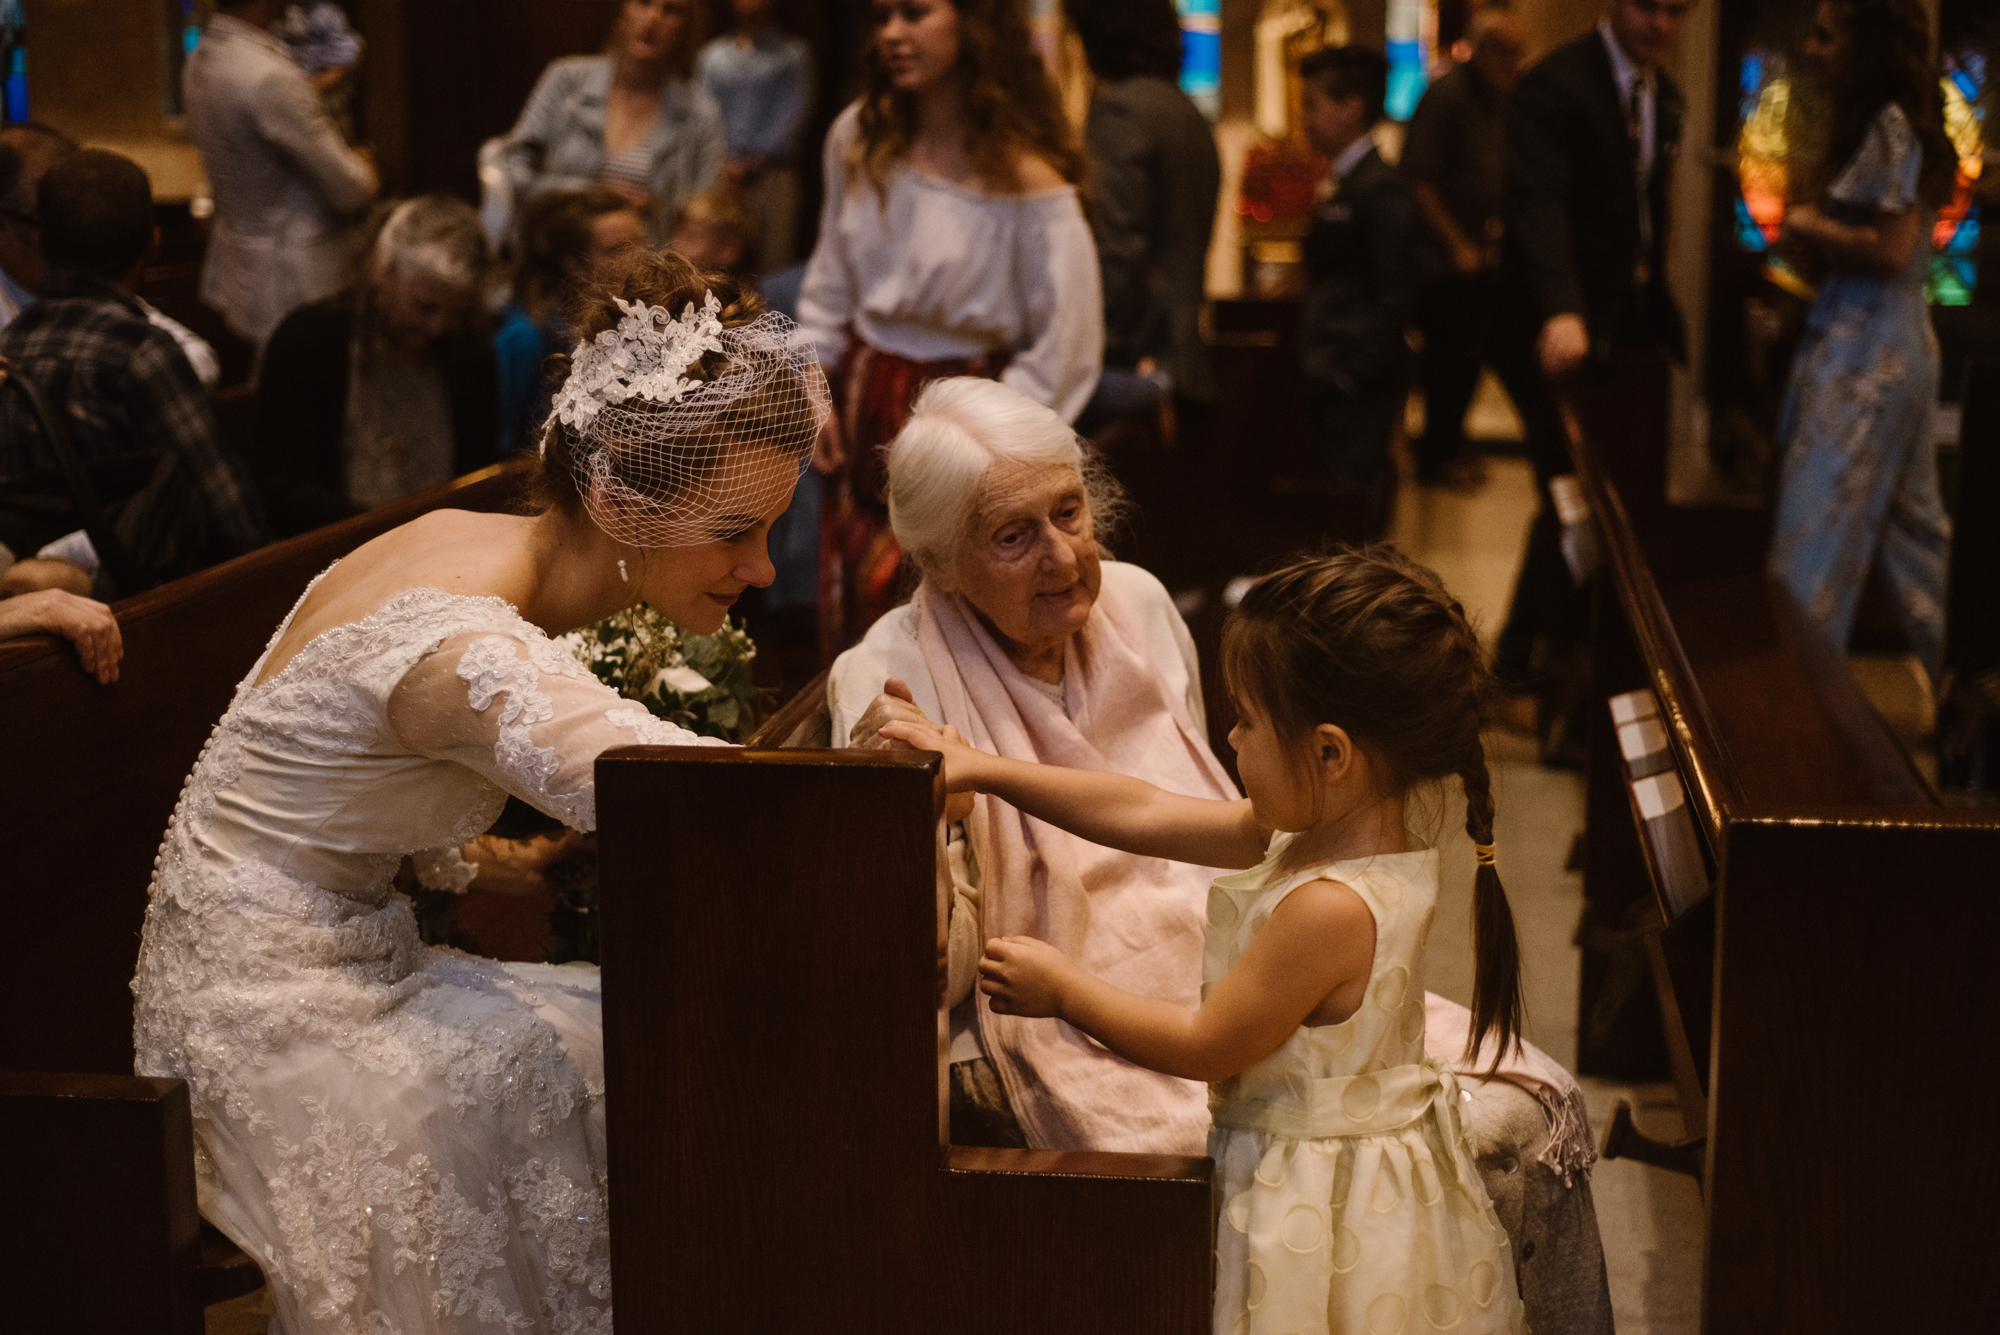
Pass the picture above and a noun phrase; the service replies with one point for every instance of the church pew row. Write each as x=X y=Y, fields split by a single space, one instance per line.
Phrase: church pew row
x=95 y=771
x=116 y=1243
x=1819 y=948
x=773 y=925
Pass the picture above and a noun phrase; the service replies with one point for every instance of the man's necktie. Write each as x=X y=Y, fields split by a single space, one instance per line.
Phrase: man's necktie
x=1635 y=126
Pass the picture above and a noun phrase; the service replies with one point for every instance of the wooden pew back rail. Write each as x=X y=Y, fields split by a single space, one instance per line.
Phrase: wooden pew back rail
x=97 y=770
x=1827 y=1007
x=773 y=925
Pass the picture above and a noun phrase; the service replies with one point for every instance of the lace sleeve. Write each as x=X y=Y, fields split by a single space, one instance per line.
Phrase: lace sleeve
x=524 y=714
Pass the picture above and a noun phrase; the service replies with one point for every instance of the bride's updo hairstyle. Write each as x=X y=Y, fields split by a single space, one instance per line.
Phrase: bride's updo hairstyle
x=685 y=409
x=958 y=429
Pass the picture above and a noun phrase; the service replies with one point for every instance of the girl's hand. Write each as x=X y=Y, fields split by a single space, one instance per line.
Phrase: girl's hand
x=1024 y=976
x=961 y=762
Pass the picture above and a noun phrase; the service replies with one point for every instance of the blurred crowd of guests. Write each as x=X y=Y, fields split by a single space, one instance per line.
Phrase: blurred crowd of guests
x=965 y=228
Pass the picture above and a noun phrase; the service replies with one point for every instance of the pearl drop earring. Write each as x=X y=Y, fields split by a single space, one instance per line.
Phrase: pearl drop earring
x=621 y=573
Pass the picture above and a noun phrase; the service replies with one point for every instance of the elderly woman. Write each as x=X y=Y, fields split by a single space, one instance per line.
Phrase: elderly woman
x=390 y=386
x=632 y=118
x=1024 y=638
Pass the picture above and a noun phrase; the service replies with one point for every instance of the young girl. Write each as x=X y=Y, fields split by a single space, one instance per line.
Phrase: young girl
x=1349 y=1199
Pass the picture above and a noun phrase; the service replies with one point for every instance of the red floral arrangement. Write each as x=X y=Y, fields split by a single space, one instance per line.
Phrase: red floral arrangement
x=1280 y=185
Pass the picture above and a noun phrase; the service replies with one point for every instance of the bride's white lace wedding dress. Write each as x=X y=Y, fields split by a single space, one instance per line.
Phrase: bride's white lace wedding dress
x=407 y=1139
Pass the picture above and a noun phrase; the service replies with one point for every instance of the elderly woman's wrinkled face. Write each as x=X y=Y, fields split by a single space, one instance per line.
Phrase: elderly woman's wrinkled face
x=1028 y=562
x=415 y=310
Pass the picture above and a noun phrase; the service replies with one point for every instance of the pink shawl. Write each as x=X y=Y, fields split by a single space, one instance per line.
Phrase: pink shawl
x=1135 y=922
x=1569 y=1151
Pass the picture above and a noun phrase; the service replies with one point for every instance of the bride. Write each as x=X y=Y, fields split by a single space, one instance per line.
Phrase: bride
x=408 y=1138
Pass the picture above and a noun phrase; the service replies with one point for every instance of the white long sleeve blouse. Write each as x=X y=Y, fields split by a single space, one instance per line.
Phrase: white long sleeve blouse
x=937 y=270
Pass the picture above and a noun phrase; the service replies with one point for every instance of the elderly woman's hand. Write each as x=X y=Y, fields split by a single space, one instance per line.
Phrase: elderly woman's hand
x=895 y=705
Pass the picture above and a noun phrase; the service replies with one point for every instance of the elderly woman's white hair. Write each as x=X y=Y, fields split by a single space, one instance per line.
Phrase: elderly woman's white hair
x=958 y=429
x=433 y=236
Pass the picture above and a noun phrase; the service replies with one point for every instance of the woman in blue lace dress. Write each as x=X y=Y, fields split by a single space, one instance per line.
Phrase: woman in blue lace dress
x=1860 y=472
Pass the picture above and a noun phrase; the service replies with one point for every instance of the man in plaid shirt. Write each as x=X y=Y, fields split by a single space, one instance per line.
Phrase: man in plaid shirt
x=121 y=384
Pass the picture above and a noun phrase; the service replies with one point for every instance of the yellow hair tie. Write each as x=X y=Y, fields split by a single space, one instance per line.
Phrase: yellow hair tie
x=1484 y=852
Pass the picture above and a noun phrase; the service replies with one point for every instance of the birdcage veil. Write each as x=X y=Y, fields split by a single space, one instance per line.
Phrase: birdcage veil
x=680 y=429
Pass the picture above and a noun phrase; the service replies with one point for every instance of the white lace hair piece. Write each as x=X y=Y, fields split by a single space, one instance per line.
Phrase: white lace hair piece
x=665 y=460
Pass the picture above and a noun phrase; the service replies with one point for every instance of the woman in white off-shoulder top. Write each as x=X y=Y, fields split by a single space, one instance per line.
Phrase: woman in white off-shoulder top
x=952 y=242
x=405 y=1137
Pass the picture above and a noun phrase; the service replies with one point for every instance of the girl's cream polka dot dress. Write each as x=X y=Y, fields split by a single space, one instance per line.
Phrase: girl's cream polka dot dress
x=1348 y=1198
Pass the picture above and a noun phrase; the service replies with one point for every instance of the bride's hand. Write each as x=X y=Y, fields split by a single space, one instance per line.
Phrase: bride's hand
x=518 y=866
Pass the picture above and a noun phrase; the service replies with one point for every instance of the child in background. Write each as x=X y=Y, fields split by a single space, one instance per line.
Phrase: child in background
x=716 y=230
x=321 y=41
x=1361 y=283
x=1349 y=1198
x=567 y=237
x=762 y=79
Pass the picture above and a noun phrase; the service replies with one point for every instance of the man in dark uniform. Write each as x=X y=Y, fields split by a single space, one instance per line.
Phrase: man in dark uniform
x=1455 y=159
x=1591 y=135
x=1361 y=286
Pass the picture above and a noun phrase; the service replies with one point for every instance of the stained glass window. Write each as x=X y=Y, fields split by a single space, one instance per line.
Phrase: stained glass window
x=179 y=37
x=1763 y=182
x=1953 y=271
x=1412 y=31
x=13 y=63
x=1201 y=53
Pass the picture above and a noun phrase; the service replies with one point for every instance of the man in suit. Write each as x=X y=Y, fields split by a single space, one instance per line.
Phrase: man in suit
x=1455 y=159
x=1361 y=284
x=1591 y=134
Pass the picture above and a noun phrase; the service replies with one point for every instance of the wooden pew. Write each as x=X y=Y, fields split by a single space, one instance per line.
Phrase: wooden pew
x=95 y=771
x=104 y=1235
x=1969 y=725
x=773 y=926
x=1824 y=993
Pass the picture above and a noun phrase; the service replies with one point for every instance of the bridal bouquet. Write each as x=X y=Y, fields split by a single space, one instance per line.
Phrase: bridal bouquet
x=701 y=682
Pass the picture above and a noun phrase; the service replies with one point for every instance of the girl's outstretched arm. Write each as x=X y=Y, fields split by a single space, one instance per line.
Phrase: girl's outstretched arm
x=1110 y=809
x=1312 y=960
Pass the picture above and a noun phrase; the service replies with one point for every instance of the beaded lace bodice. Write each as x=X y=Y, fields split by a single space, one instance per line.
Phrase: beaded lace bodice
x=377 y=740
x=406 y=1138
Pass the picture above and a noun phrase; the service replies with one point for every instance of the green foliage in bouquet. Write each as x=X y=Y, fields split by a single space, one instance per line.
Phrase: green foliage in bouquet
x=701 y=682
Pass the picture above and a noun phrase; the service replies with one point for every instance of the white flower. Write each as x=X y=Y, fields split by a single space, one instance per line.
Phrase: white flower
x=683 y=679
